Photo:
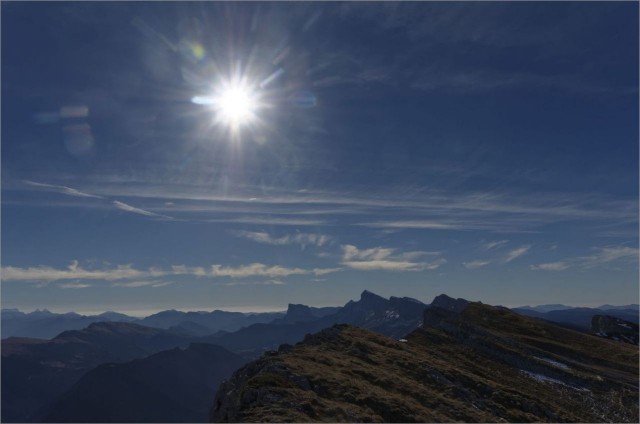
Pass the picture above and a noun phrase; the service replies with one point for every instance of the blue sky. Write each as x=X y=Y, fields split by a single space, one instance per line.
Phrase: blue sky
x=487 y=151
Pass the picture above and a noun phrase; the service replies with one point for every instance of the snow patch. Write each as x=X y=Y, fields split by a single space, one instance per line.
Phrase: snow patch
x=552 y=362
x=544 y=379
x=391 y=314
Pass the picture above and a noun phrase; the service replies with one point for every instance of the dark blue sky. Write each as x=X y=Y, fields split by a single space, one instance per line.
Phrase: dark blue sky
x=485 y=150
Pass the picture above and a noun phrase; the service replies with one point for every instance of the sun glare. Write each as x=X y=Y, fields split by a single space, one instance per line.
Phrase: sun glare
x=235 y=105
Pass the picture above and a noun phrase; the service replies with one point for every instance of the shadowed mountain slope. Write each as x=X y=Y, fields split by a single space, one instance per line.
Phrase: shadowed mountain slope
x=468 y=362
x=34 y=371
x=615 y=329
x=171 y=386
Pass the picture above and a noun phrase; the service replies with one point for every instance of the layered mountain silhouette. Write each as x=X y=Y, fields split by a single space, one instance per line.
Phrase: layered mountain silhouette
x=580 y=318
x=171 y=386
x=392 y=317
x=44 y=324
x=171 y=374
x=35 y=372
x=210 y=322
x=468 y=362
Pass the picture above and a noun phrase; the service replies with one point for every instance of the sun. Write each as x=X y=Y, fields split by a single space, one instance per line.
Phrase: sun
x=234 y=105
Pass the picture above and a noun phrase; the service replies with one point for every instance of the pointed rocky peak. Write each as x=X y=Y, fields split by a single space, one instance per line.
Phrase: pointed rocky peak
x=369 y=297
x=450 y=304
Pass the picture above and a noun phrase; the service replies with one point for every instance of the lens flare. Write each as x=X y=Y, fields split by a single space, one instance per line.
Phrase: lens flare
x=236 y=105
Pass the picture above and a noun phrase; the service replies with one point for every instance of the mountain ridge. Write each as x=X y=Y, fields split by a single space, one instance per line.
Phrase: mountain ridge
x=472 y=363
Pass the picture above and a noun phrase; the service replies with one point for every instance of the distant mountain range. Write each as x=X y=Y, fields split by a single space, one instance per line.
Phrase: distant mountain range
x=211 y=321
x=468 y=362
x=45 y=325
x=560 y=307
x=580 y=318
x=68 y=377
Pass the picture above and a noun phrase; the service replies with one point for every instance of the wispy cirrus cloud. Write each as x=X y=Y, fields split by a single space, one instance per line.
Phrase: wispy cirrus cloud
x=256 y=270
x=135 y=284
x=516 y=253
x=267 y=220
x=69 y=191
x=128 y=276
x=128 y=208
x=602 y=256
x=386 y=259
x=497 y=258
x=475 y=264
x=74 y=285
x=551 y=266
x=414 y=224
x=494 y=244
x=303 y=239
x=251 y=270
x=256 y=283
x=75 y=271
x=500 y=212
x=61 y=189
x=609 y=254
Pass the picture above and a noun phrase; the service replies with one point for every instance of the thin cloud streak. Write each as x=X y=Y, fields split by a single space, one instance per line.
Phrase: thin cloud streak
x=494 y=244
x=303 y=239
x=422 y=225
x=603 y=256
x=136 y=284
x=74 y=285
x=475 y=264
x=120 y=274
x=268 y=221
x=516 y=253
x=256 y=283
x=61 y=189
x=437 y=210
x=128 y=208
x=385 y=259
x=566 y=205
x=551 y=266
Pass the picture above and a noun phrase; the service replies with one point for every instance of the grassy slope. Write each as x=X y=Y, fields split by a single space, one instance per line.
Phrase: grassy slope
x=464 y=368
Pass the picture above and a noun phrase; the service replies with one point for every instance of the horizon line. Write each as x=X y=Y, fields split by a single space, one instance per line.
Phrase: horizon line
x=143 y=313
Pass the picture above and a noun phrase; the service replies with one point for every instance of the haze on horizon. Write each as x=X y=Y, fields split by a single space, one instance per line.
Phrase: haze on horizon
x=200 y=156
